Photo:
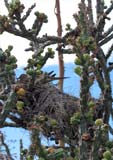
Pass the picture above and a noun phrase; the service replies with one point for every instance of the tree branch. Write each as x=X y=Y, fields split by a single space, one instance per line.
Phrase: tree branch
x=6 y=4
x=111 y=129
x=108 y=32
x=28 y=12
x=99 y=8
x=90 y=13
x=109 y=52
x=106 y=40
x=109 y=9
x=5 y=124
x=66 y=51
x=7 y=107
x=101 y=16
x=60 y=55
x=110 y=68
x=5 y=145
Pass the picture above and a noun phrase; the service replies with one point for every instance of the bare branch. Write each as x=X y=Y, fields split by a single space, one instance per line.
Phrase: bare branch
x=108 y=32
x=28 y=12
x=37 y=26
x=106 y=40
x=16 y=120
x=99 y=8
x=101 y=16
x=5 y=145
x=21 y=148
x=111 y=129
x=7 y=107
x=109 y=52
x=50 y=39
x=109 y=9
x=6 y=4
x=11 y=125
x=99 y=76
x=90 y=13
x=21 y=25
x=17 y=32
x=66 y=51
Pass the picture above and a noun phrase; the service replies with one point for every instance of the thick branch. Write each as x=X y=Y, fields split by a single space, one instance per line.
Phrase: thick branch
x=90 y=13
x=53 y=39
x=17 y=32
x=60 y=55
x=101 y=16
x=7 y=107
x=106 y=92
x=66 y=51
x=14 y=119
x=99 y=76
x=99 y=8
x=20 y=23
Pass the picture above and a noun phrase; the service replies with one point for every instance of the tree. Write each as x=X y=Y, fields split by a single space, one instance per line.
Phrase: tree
x=33 y=103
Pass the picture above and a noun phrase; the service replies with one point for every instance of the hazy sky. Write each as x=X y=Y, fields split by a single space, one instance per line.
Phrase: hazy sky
x=68 y=8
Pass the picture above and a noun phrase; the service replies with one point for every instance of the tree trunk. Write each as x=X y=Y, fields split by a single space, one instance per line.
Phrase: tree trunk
x=60 y=55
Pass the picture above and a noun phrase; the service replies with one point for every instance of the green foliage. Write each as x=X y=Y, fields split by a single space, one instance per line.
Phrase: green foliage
x=91 y=104
x=109 y=144
x=15 y=7
x=41 y=17
x=68 y=27
x=75 y=119
x=78 y=71
x=31 y=72
x=53 y=122
x=89 y=116
x=78 y=61
x=50 y=53
x=99 y=122
x=107 y=155
x=7 y=63
x=58 y=154
x=4 y=23
x=20 y=106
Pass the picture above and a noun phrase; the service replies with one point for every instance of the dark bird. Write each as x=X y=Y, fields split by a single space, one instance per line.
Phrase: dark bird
x=110 y=63
x=48 y=77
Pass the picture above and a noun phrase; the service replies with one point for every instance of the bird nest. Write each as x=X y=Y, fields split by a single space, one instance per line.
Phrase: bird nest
x=45 y=107
x=40 y=105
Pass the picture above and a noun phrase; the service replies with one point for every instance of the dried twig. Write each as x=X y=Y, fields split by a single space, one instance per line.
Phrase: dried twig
x=109 y=52
x=106 y=40
x=6 y=146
